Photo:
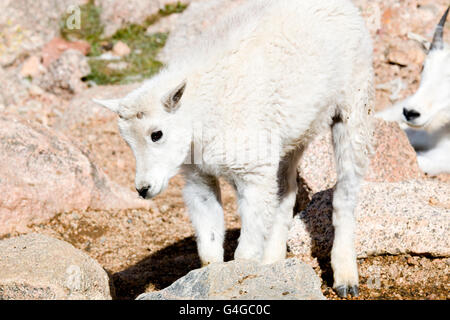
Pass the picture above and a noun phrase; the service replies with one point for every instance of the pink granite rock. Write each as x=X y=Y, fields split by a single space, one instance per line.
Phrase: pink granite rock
x=31 y=67
x=391 y=218
x=397 y=212
x=393 y=160
x=42 y=174
x=65 y=73
x=55 y=48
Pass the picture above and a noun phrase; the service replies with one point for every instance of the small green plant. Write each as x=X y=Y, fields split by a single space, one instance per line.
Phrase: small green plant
x=141 y=63
x=170 y=8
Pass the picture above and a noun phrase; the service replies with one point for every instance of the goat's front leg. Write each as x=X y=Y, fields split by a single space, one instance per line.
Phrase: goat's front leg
x=202 y=197
x=275 y=249
x=257 y=206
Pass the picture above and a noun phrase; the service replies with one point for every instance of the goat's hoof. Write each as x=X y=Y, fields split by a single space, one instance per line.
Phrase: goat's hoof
x=343 y=290
x=354 y=291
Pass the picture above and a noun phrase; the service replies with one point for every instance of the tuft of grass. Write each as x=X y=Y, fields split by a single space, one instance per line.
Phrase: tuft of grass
x=141 y=63
x=171 y=8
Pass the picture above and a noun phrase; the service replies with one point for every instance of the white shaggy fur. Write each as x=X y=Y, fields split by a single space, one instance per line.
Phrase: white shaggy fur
x=276 y=72
x=429 y=130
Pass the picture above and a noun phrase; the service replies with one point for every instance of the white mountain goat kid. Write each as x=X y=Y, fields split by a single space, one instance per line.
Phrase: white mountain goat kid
x=425 y=116
x=270 y=76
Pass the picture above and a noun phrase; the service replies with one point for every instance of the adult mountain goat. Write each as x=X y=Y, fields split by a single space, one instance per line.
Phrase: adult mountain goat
x=247 y=97
x=425 y=116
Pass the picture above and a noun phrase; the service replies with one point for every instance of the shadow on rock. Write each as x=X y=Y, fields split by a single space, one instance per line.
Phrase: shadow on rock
x=161 y=269
x=317 y=217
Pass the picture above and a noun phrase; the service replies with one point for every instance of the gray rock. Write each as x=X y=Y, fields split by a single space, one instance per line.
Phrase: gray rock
x=39 y=267
x=286 y=280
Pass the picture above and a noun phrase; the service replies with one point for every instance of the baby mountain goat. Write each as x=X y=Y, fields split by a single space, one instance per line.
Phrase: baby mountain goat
x=241 y=103
x=425 y=116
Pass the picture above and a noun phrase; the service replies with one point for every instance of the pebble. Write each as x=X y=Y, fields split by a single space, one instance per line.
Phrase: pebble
x=31 y=67
x=121 y=49
x=121 y=65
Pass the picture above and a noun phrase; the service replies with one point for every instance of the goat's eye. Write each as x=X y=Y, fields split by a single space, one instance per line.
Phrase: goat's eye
x=157 y=135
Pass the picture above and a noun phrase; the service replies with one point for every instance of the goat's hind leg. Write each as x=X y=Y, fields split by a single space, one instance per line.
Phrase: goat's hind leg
x=343 y=255
x=352 y=131
x=352 y=145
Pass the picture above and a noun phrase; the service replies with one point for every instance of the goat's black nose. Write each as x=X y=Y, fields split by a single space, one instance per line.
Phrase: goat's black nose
x=410 y=114
x=143 y=191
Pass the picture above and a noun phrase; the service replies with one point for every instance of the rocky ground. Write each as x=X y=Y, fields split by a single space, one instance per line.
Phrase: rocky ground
x=48 y=119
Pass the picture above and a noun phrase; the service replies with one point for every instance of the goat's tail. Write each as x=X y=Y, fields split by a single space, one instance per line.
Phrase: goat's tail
x=353 y=142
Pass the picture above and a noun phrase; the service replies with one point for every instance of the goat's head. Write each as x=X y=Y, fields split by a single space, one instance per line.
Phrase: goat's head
x=429 y=107
x=157 y=130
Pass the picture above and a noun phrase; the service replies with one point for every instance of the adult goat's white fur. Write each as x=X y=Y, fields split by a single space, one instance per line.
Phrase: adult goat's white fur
x=284 y=69
x=425 y=116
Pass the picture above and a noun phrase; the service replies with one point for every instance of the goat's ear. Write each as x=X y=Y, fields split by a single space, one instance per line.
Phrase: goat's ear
x=171 y=101
x=112 y=104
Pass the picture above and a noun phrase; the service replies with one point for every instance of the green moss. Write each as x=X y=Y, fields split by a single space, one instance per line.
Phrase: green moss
x=141 y=63
x=170 y=8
